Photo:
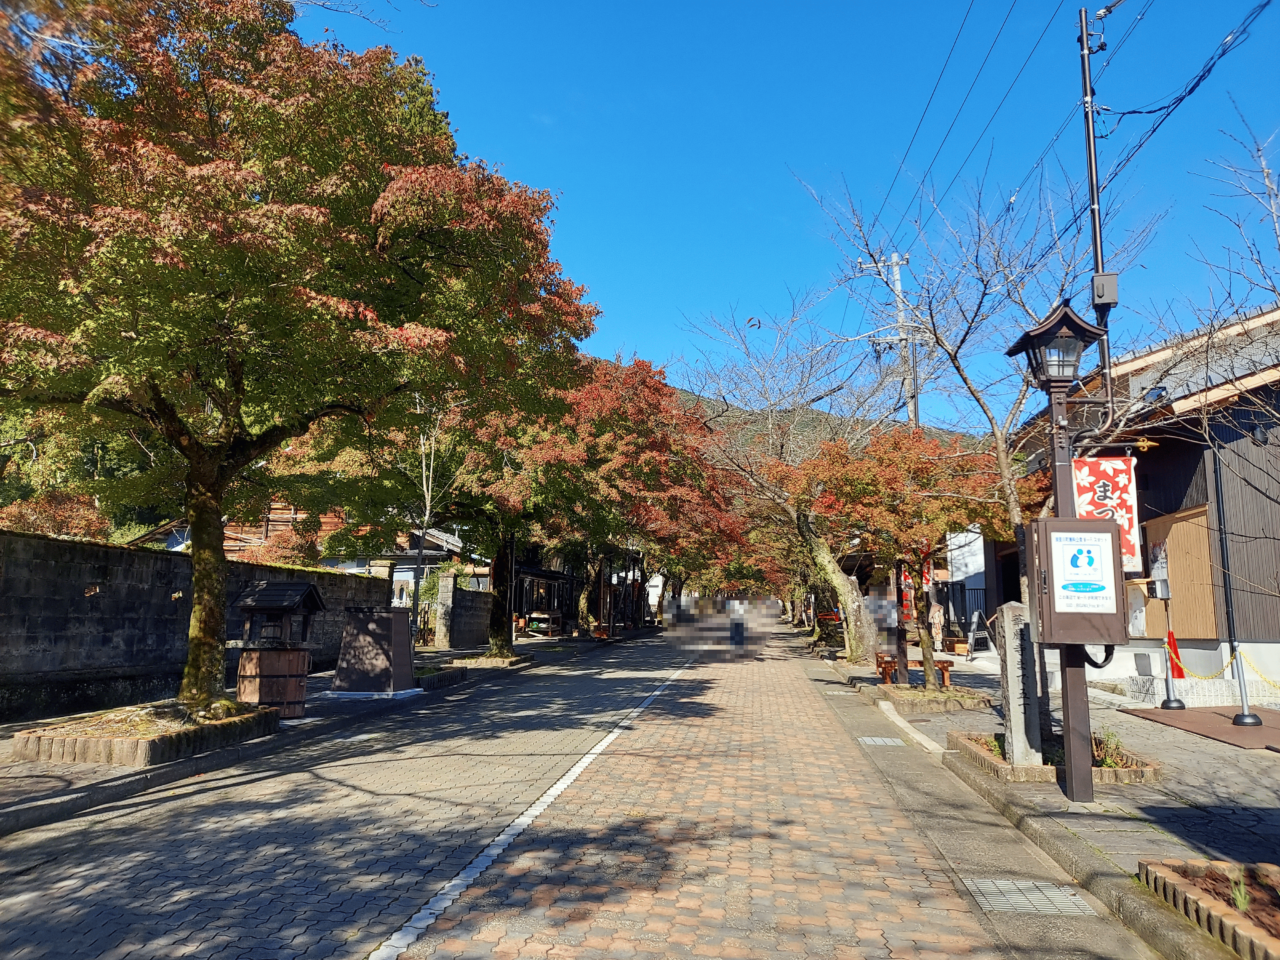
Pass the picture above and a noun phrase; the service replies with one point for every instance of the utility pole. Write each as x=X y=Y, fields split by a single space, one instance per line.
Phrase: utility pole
x=905 y=344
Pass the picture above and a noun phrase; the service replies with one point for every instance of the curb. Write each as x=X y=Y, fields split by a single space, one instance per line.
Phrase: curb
x=888 y=709
x=1164 y=930
x=39 y=813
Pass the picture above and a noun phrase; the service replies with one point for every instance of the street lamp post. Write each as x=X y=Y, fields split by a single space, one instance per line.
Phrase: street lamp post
x=1053 y=350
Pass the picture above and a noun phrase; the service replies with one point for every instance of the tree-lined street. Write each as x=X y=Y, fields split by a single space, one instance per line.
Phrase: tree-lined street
x=732 y=818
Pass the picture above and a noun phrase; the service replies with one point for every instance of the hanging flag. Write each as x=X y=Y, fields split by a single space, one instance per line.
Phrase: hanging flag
x=1105 y=491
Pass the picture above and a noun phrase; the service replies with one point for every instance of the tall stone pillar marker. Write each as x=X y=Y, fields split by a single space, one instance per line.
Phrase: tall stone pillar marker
x=444 y=610
x=1022 y=745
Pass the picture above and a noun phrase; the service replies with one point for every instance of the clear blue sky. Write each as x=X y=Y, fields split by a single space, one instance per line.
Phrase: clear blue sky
x=676 y=135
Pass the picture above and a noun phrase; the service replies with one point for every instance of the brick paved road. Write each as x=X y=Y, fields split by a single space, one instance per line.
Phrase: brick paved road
x=735 y=823
x=733 y=818
x=321 y=851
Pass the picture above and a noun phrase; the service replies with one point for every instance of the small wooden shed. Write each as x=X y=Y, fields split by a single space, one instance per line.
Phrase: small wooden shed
x=275 y=660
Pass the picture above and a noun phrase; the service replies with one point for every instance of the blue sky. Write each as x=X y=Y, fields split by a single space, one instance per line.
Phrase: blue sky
x=679 y=136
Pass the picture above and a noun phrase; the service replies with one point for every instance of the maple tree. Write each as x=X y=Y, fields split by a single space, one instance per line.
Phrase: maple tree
x=903 y=493
x=58 y=514
x=217 y=236
x=613 y=459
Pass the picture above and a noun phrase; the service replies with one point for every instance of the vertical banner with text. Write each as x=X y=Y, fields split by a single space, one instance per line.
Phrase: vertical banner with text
x=1105 y=491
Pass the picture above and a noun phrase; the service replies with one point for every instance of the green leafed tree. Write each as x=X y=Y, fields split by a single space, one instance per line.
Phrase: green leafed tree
x=217 y=236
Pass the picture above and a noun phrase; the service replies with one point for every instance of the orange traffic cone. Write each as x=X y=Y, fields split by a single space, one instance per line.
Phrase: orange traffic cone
x=1174 y=666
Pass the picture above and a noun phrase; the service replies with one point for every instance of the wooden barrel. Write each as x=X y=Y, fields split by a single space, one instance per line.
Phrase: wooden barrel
x=274 y=678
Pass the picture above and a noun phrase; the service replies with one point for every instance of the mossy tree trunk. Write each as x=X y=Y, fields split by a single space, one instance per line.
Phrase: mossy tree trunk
x=923 y=635
x=586 y=619
x=858 y=638
x=204 y=678
x=500 y=631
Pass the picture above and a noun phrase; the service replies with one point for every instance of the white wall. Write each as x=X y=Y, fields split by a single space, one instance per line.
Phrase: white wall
x=965 y=558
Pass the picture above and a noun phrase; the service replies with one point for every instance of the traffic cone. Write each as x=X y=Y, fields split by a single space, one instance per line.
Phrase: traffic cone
x=1174 y=666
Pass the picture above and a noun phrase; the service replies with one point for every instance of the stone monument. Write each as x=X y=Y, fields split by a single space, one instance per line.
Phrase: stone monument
x=1018 y=686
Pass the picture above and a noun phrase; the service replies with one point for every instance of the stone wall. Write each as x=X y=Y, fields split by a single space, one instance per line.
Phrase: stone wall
x=85 y=626
x=462 y=616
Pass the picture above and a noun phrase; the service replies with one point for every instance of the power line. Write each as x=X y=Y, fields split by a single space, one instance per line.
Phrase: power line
x=1066 y=121
x=1162 y=113
x=1233 y=40
x=959 y=110
x=923 y=113
x=991 y=119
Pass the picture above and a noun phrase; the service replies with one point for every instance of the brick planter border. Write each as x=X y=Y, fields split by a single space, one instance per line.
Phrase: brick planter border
x=1147 y=771
x=46 y=745
x=914 y=705
x=1220 y=920
x=482 y=663
x=447 y=677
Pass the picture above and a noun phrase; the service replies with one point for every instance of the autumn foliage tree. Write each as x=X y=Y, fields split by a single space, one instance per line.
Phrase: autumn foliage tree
x=57 y=514
x=217 y=236
x=901 y=495
x=615 y=459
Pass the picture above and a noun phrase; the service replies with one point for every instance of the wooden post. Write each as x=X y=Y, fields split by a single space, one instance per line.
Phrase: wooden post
x=904 y=676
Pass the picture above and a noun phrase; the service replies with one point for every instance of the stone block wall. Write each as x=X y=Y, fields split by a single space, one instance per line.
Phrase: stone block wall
x=85 y=625
x=462 y=616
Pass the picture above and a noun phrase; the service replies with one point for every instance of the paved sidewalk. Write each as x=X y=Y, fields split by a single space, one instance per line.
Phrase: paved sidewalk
x=737 y=816
x=1214 y=800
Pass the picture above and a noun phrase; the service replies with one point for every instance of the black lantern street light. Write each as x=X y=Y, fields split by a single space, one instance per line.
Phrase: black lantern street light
x=1053 y=351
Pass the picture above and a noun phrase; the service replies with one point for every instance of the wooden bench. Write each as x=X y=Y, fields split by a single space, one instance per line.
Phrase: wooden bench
x=887 y=665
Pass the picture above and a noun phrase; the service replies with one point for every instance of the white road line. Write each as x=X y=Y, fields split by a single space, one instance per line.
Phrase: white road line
x=400 y=941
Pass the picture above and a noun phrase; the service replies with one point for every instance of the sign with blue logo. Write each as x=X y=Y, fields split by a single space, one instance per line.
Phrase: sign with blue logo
x=1083 y=578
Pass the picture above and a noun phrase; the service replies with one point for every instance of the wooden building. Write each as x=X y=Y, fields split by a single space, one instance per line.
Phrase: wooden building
x=1201 y=415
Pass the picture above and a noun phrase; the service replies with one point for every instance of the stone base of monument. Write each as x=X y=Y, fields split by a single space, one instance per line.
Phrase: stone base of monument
x=972 y=747
x=376 y=659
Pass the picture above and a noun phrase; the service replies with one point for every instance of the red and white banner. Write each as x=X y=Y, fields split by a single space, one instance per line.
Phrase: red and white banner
x=1105 y=491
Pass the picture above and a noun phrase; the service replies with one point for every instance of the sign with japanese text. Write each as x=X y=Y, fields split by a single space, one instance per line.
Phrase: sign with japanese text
x=1105 y=491
x=1084 y=580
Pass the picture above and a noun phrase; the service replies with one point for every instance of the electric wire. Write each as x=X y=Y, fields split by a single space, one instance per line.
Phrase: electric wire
x=1232 y=41
x=1162 y=113
x=923 y=114
x=1066 y=121
x=924 y=179
x=938 y=202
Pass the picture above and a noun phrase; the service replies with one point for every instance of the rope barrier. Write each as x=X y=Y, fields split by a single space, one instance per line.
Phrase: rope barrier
x=1212 y=676
x=1260 y=674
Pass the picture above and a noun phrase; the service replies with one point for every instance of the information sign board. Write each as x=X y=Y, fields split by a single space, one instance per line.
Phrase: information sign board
x=1084 y=580
x=1076 y=581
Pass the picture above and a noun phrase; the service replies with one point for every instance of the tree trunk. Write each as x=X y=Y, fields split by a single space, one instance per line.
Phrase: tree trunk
x=857 y=636
x=586 y=620
x=923 y=634
x=662 y=597
x=205 y=677
x=500 y=642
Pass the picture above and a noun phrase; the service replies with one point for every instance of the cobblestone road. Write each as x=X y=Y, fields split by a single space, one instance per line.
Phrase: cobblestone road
x=732 y=818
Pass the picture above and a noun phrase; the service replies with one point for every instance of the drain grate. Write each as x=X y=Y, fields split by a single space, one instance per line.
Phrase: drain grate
x=1027 y=896
x=881 y=742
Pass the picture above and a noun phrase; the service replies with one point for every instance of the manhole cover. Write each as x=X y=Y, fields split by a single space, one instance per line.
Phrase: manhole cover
x=881 y=742
x=1027 y=896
